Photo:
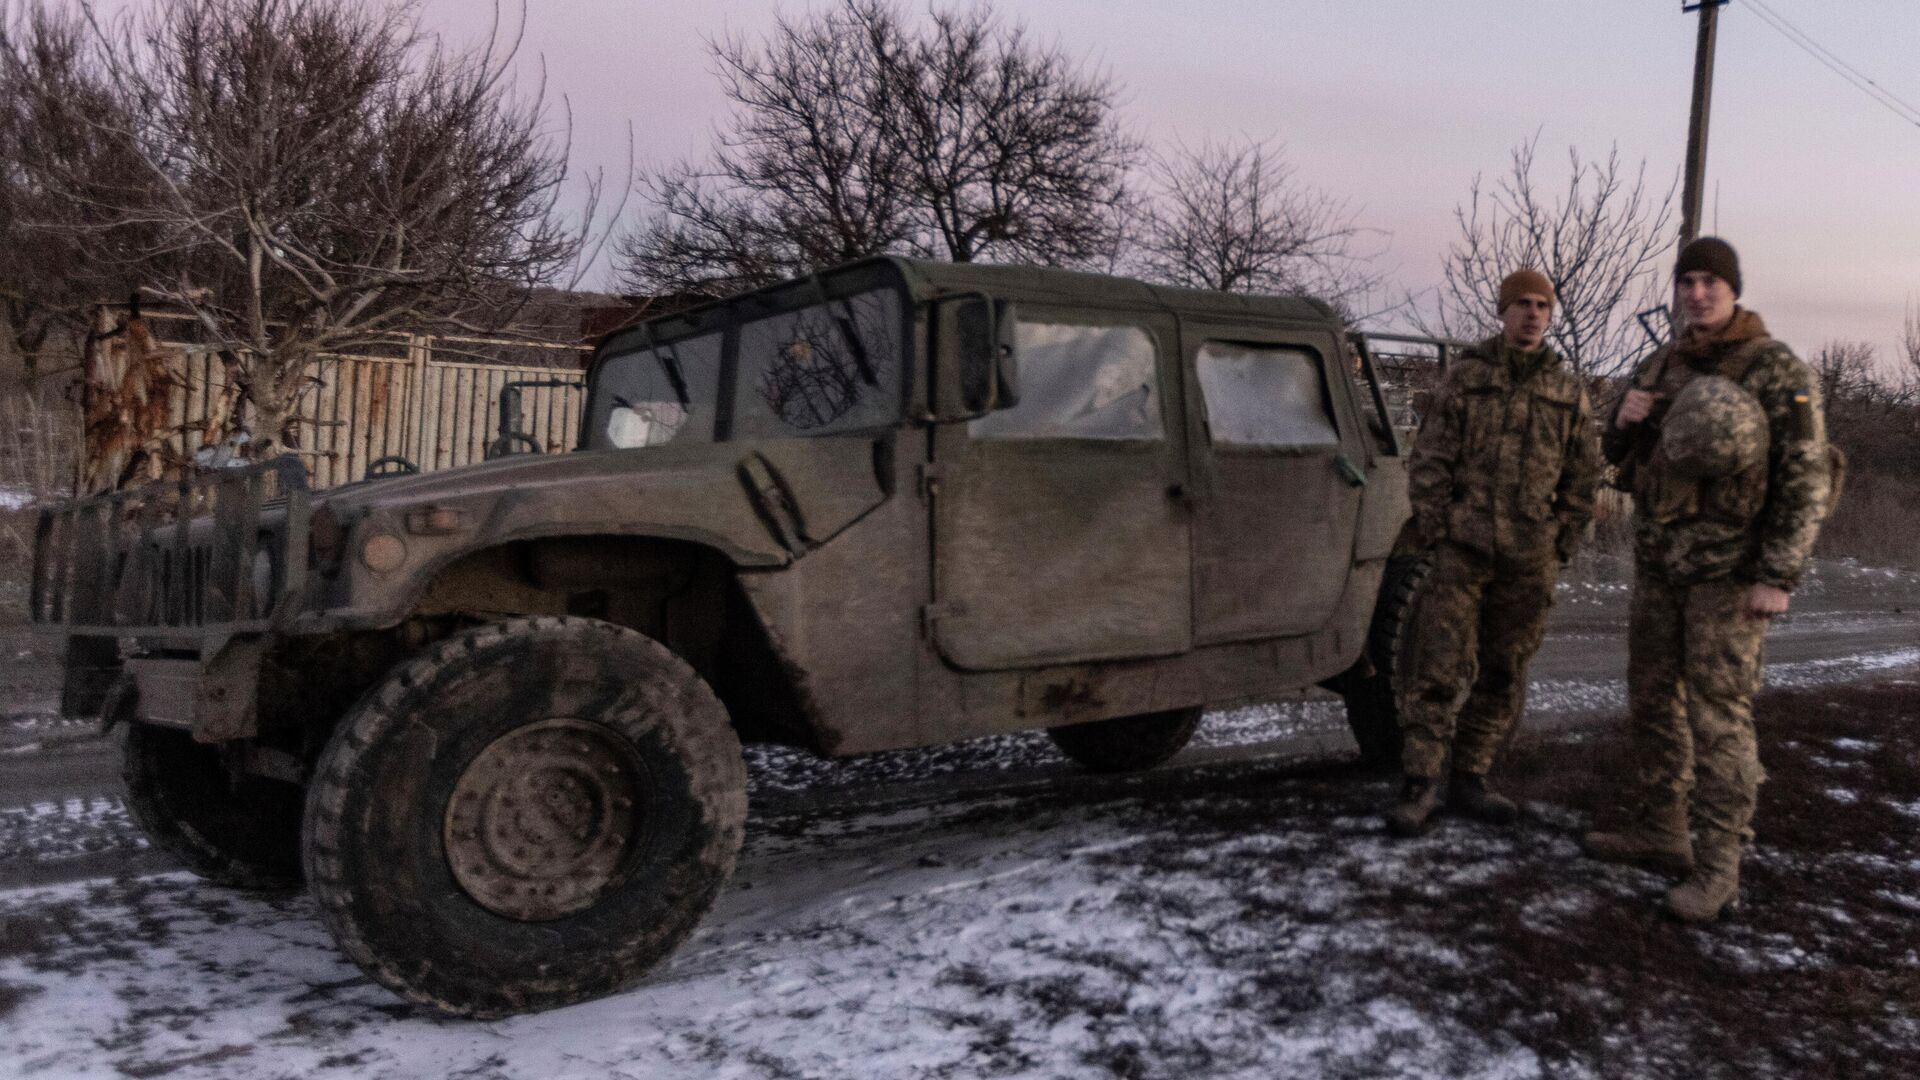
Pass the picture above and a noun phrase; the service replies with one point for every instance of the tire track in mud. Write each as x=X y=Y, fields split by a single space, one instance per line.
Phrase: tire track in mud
x=63 y=817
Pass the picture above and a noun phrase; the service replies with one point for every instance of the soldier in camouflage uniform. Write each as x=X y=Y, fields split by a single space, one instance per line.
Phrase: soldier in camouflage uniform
x=1722 y=442
x=1502 y=481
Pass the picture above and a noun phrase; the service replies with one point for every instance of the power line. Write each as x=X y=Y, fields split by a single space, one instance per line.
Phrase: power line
x=1895 y=104
x=1879 y=91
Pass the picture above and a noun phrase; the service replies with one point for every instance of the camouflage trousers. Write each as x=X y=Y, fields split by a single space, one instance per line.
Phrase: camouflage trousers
x=1477 y=623
x=1693 y=666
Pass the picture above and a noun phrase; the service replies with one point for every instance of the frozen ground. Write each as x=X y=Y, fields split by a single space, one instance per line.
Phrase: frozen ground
x=1238 y=920
x=981 y=911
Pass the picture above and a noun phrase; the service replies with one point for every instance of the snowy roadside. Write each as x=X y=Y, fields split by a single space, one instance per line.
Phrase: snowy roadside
x=1238 y=920
x=984 y=910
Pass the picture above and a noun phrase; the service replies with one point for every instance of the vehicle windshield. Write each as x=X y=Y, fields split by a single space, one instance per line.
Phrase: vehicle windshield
x=835 y=366
x=652 y=396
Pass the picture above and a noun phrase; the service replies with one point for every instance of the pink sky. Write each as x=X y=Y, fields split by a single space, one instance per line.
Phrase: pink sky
x=1397 y=103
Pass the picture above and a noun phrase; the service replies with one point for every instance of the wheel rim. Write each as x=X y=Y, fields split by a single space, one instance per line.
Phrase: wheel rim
x=541 y=820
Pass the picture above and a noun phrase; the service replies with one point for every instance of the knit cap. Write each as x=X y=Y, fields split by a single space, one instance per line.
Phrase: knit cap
x=1715 y=256
x=1522 y=283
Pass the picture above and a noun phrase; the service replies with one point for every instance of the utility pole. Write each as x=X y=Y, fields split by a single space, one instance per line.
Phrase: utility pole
x=1697 y=127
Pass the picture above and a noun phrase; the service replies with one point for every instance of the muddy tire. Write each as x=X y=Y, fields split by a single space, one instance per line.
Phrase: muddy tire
x=244 y=832
x=1373 y=708
x=529 y=814
x=1127 y=743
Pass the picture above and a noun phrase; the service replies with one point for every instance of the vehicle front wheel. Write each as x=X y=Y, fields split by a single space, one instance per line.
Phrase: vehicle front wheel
x=530 y=814
x=1127 y=743
x=237 y=830
x=1373 y=707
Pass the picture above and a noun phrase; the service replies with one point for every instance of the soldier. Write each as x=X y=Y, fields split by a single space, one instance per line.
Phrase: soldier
x=1722 y=442
x=1502 y=481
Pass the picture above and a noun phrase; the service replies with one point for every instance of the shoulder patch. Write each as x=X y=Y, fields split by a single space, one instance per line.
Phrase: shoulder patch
x=1801 y=422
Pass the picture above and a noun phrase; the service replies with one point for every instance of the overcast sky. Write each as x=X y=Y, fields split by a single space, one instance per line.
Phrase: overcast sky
x=1397 y=103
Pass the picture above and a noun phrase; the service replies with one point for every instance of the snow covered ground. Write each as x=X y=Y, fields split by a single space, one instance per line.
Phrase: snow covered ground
x=981 y=910
x=1237 y=919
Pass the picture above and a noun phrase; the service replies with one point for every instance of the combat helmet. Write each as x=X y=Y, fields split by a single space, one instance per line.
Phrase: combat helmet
x=1714 y=429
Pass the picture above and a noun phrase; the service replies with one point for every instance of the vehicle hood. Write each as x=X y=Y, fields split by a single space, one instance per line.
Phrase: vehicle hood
x=759 y=503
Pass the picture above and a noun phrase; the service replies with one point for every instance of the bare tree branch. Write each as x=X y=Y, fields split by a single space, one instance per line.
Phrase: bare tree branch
x=1234 y=217
x=302 y=176
x=854 y=133
x=1599 y=241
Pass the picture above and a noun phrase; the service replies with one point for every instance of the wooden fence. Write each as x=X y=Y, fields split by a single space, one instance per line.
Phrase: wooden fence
x=434 y=401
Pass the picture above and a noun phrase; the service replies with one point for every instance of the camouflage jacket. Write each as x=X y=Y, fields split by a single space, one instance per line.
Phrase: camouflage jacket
x=1506 y=462
x=1759 y=524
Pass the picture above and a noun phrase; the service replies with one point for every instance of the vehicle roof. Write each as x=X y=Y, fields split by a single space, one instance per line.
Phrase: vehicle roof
x=1076 y=286
x=929 y=279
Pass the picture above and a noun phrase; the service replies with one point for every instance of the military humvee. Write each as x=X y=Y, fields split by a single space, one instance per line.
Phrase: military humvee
x=493 y=715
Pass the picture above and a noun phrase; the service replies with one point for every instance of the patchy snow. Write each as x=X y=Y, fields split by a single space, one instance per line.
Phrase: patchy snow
x=15 y=498
x=926 y=943
x=1835 y=669
x=58 y=830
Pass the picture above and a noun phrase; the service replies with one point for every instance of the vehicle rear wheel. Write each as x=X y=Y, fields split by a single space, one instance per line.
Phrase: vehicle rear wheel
x=1373 y=707
x=237 y=830
x=1127 y=743
x=531 y=813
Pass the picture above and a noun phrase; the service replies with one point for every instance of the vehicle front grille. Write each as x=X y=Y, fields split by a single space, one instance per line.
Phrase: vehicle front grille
x=192 y=556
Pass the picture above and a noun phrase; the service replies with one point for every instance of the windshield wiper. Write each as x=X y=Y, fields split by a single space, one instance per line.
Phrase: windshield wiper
x=670 y=363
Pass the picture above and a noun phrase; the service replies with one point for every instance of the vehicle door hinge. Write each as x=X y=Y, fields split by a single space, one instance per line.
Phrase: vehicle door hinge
x=1351 y=473
x=934 y=612
x=931 y=473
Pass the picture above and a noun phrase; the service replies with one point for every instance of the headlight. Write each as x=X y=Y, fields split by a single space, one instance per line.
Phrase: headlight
x=383 y=552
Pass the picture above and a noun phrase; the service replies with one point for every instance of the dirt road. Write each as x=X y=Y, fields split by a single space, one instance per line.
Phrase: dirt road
x=61 y=815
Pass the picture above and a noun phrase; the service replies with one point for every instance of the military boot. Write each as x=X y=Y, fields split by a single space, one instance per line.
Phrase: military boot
x=1468 y=794
x=1656 y=839
x=1419 y=798
x=1713 y=887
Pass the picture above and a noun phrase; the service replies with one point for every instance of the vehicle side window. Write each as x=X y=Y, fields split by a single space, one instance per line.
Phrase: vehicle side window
x=1080 y=382
x=1266 y=396
x=833 y=367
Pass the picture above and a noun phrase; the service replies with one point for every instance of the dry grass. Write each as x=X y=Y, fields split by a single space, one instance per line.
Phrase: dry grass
x=1877 y=521
x=39 y=443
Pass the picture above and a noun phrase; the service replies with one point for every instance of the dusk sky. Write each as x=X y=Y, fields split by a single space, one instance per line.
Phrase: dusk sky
x=1397 y=103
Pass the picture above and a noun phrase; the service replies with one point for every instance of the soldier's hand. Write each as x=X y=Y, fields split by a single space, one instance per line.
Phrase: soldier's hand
x=1767 y=601
x=1634 y=408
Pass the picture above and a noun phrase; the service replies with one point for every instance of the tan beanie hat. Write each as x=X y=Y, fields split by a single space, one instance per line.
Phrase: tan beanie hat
x=1521 y=283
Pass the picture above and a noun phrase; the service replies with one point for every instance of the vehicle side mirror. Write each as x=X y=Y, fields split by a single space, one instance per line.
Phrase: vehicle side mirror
x=975 y=369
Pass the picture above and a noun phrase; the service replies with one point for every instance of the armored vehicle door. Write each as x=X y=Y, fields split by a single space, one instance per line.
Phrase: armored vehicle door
x=1277 y=458
x=1060 y=526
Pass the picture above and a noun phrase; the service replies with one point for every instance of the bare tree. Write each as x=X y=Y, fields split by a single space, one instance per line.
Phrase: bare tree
x=1236 y=218
x=313 y=174
x=1012 y=147
x=805 y=176
x=1910 y=342
x=854 y=133
x=1599 y=241
x=52 y=96
x=1848 y=374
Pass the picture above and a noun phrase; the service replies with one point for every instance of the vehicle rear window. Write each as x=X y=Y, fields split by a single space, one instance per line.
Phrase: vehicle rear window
x=1265 y=395
x=1080 y=382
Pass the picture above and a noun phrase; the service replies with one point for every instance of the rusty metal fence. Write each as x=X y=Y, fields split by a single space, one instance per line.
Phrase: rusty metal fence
x=433 y=400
